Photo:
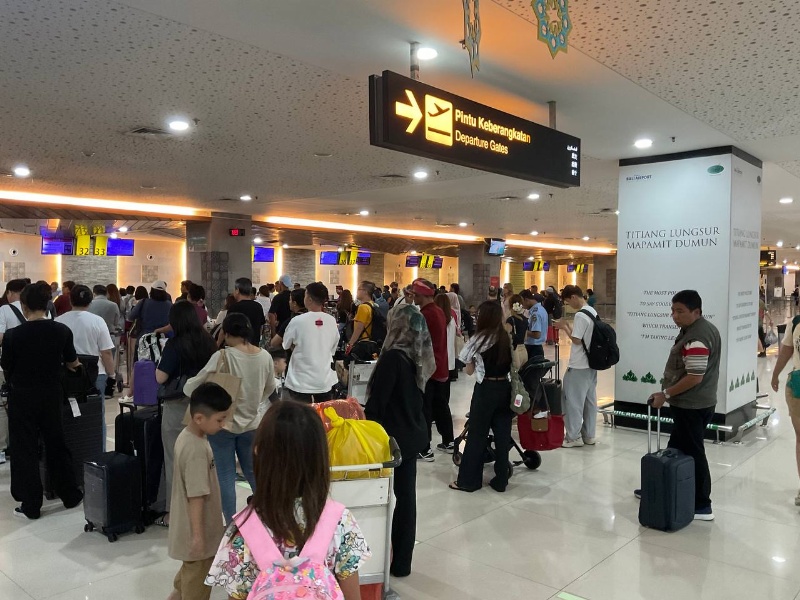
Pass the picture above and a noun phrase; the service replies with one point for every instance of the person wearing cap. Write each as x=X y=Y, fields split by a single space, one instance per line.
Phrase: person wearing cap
x=246 y=305
x=437 y=390
x=279 y=311
x=153 y=311
x=536 y=335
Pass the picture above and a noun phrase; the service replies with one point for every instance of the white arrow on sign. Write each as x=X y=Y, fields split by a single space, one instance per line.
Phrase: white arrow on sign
x=409 y=111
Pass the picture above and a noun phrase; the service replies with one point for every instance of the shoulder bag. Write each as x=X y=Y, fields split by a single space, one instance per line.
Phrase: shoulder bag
x=520 y=398
x=226 y=380
x=172 y=389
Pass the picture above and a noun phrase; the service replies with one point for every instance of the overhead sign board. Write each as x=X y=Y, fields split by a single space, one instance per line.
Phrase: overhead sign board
x=769 y=258
x=412 y=117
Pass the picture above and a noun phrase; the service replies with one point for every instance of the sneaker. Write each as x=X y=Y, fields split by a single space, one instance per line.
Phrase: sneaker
x=427 y=456
x=449 y=448
x=637 y=494
x=704 y=514
x=589 y=441
x=18 y=512
x=572 y=444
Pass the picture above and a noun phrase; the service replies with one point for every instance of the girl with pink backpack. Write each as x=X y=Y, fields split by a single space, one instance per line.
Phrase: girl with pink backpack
x=292 y=540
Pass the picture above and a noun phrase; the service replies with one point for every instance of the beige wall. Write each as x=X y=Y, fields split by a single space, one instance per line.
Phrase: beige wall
x=29 y=248
x=169 y=257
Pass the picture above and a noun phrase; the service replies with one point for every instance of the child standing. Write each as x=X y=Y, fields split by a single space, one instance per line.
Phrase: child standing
x=196 y=523
x=291 y=498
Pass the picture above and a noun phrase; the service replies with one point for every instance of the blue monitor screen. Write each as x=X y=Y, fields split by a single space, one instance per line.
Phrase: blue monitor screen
x=58 y=246
x=263 y=254
x=438 y=261
x=413 y=260
x=570 y=268
x=496 y=247
x=119 y=247
x=527 y=266
x=546 y=266
x=363 y=258
x=329 y=258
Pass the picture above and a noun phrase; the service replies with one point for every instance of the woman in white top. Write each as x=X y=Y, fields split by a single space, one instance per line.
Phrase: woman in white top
x=256 y=370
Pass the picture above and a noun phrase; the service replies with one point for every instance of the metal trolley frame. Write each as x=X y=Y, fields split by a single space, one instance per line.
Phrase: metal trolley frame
x=371 y=500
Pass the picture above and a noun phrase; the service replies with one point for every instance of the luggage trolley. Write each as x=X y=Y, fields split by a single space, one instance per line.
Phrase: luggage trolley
x=371 y=500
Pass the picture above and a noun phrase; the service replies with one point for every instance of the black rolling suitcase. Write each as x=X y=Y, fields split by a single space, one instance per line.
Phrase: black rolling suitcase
x=667 y=501
x=553 y=387
x=83 y=435
x=138 y=433
x=112 y=501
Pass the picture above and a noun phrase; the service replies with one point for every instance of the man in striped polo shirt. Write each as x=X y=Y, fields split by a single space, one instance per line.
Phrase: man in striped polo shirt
x=690 y=387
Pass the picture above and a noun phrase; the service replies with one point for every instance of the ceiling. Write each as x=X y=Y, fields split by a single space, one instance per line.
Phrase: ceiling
x=271 y=83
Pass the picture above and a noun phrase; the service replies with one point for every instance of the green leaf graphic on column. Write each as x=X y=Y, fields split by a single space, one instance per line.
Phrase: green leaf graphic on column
x=630 y=376
x=648 y=378
x=737 y=383
x=748 y=378
x=730 y=389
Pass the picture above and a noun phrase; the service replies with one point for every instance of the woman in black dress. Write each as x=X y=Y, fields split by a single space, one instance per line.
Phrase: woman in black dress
x=394 y=399
x=33 y=357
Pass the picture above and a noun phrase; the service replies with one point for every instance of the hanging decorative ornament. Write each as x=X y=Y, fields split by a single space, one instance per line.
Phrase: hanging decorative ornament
x=554 y=23
x=472 y=33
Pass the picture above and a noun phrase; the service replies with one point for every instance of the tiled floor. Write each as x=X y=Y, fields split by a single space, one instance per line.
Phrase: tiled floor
x=569 y=528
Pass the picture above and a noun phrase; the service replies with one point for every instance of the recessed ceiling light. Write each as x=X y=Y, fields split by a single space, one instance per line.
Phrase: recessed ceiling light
x=779 y=244
x=616 y=212
x=179 y=125
x=413 y=252
x=643 y=143
x=113 y=236
x=534 y=232
x=530 y=258
x=786 y=200
x=585 y=238
x=339 y=249
x=463 y=224
x=779 y=559
x=257 y=240
x=123 y=229
x=420 y=174
x=533 y=196
x=364 y=213
x=285 y=245
x=22 y=171
x=246 y=198
x=785 y=261
x=323 y=154
x=427 y=53
x=797 y=247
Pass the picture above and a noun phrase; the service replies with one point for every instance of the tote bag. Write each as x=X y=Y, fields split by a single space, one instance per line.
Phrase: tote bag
x=226 y=380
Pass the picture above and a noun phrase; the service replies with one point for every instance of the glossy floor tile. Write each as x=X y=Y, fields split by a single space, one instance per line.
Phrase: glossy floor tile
x=571 y=526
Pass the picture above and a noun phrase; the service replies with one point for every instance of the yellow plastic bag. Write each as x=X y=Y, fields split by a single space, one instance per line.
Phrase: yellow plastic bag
x=356 y=442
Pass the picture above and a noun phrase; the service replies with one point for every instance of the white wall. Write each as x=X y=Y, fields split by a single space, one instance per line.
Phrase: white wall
x=28 y=249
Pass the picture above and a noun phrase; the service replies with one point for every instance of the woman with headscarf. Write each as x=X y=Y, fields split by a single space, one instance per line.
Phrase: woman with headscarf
x=394 y=399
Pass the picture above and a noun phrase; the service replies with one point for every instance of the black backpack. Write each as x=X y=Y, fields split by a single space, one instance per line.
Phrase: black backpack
x=603 y=352
x=378 y=325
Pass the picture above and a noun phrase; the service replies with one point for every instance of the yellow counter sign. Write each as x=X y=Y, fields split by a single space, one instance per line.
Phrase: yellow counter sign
x=83 y=245
x=101 y=245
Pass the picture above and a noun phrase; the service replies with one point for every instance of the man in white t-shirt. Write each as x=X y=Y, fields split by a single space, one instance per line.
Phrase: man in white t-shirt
x=11 y=313
x=91 y=337
x=264 y=300
x=580 y=381
x=313 y=338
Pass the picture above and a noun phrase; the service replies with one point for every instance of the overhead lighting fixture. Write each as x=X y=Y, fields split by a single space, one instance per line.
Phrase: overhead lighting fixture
x=113 y=236
x=530 y=258
x=797 y=247
x=179 y=125
x=285 y=246
x=351 y=227
x=339 y=249
x=22 y=171
x=586 y=238
x=779 y=559
x=463 y=224
x=364 y=213
x=95 y=203
x=323 y=154
x=786 y=200
x=246 y=198
x=551 y=246
x=420 y=174
x=123 y=229
x=427 y=53
x=785 y=261
x=533 y=196
x=616 y=212
x=534 y=232
x=257 y=240
x=643 y=143
x=779 y=244
x=413 y=252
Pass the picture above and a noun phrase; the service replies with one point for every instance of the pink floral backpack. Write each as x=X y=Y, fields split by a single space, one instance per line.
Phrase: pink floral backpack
x=305 y=576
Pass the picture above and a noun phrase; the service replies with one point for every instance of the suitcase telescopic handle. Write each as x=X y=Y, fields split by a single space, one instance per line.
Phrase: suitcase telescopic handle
x=650 y=427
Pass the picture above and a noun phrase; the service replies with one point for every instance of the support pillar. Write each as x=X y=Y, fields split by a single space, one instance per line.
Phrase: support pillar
x=475 y=270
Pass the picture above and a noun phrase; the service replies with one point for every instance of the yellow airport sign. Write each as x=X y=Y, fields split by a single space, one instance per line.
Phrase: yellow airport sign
x=409 y=111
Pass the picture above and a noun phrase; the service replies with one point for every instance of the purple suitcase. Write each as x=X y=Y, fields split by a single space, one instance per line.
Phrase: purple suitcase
x=145 y=387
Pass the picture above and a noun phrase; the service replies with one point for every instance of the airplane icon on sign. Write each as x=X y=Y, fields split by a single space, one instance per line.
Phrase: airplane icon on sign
x=438 y=117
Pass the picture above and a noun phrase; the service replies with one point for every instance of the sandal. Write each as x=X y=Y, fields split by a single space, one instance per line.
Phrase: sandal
x=455 y=486
x=161 y=521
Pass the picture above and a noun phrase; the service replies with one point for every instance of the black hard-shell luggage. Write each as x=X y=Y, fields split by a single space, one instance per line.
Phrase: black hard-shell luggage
x=112 y=501
x=84 y=438
x=668 y=485
x=138 y=433
x=553 y=387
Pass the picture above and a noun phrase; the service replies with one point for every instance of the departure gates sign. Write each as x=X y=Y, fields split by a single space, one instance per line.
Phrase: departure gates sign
x=409 y=116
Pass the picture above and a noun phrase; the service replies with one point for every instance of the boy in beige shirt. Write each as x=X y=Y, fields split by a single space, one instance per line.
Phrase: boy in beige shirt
x=196 y=525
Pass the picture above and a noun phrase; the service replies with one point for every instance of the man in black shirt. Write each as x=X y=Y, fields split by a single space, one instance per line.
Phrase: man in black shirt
x=246 y=305
x=279 y=310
